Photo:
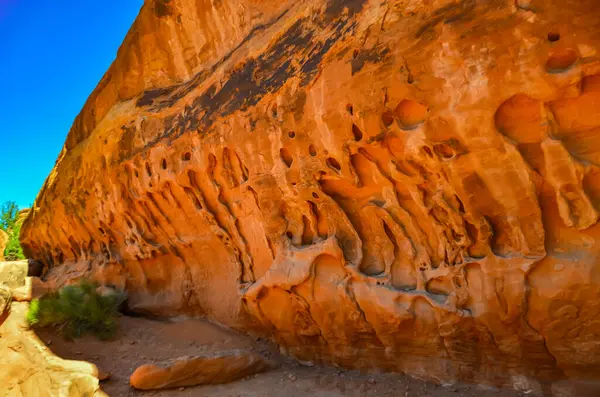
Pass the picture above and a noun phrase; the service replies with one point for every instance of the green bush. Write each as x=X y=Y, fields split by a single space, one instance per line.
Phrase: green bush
x=11 y=224
x=77 y=310
x=9 y=213
x=13 y=250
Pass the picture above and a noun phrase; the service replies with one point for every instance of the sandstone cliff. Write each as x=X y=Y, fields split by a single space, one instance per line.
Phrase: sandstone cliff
x=408 y=185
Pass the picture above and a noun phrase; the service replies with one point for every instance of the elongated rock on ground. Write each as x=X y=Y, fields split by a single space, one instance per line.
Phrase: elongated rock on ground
x=403 y=185
x=210 y=369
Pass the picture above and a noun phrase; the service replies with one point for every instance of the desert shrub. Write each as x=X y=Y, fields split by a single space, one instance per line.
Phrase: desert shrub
x=77 y=310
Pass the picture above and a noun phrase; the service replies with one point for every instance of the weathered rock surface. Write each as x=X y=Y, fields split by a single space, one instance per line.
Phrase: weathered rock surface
x=28 y=368
x=210 y=369
x=5 y=301
x=408 y=185
x=13 y=276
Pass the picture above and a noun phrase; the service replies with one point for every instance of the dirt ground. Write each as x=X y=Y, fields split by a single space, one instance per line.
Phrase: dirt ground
x=142 y=340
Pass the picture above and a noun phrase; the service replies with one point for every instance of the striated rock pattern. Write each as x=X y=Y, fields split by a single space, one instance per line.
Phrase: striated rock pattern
x=405 y=185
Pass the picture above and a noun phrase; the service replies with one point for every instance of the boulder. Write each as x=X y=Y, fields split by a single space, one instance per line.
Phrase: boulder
x=13 y=273
x=411 y=186
x=5 y=302
x=209 y=369
x=24 y=293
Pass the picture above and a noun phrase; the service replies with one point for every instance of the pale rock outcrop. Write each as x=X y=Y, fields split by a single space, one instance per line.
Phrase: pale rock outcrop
x=28 y=368
x=405 y=185
x=5 y=301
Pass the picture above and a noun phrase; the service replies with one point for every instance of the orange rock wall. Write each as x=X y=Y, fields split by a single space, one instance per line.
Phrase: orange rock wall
x=406 y=185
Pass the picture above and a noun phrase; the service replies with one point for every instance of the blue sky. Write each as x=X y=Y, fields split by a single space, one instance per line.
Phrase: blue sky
x=52 y=55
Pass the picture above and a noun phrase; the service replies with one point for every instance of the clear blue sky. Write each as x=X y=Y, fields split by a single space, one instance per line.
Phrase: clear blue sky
x=52 y=55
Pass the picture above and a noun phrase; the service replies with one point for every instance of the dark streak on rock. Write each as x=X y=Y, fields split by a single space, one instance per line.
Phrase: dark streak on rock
x=297 y=107
x=126 y=146
x=448 y=14
x=180 y=90
x=150 y=95
x=249 y=82
x=374 y=55
x=335 y=8
x=161 y=8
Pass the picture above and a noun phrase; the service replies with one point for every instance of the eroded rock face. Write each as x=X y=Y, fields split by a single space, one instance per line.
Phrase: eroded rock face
x=407 y=185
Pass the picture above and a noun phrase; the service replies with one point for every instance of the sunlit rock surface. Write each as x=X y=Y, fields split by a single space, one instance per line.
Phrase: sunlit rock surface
x=27 y=366
x=405 y=185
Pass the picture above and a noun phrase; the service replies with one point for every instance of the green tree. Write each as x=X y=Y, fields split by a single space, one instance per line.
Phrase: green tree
x=9 y=214
x=13 y=250
x=9 y=222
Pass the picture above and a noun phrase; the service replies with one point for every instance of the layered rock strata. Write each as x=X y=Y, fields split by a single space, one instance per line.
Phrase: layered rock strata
x=405 y=185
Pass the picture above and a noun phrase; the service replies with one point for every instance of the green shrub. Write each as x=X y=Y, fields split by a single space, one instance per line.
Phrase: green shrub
x=9 y=213
x=13 y=250
x=77 y=310
x=11 y=224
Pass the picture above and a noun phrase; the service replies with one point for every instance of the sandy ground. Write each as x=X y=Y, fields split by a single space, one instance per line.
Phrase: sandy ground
x=141 y=340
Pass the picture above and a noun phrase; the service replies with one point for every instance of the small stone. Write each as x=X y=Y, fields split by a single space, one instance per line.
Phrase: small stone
x=524 y=4
x=292 y=377
x=372 y=381
x=103 y=375
x=181 y=389
x=132 y=342
x=306 y=363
